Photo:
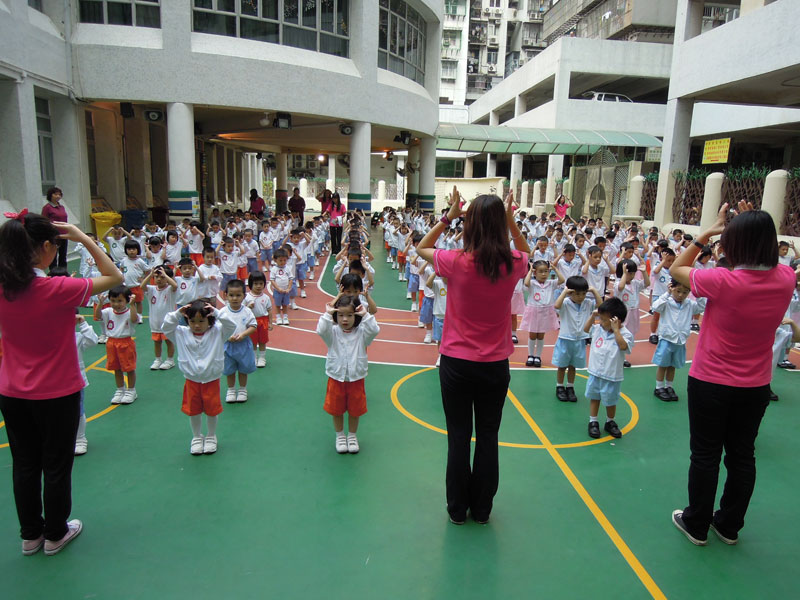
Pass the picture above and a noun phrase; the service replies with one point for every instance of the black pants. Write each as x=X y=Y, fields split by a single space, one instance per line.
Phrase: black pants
x=481 y=388
x=336 y=240
x=41 y=434
x=60 y=259
x=722 y=416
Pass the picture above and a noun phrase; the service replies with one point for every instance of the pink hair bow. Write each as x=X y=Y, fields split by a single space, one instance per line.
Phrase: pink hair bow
x=20 y=216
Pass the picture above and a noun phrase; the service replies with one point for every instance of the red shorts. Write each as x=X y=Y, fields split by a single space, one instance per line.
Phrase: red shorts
x=345 y=397
x=386 y=244
x=261 y=336
x=138 y=294
x=121 y=353
x=401 y=258
x=241 y=273
x=158 y=337
x=197 y=258
x=201 y=398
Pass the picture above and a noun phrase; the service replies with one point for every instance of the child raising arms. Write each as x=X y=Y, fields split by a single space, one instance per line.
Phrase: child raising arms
x=119 y=321
x=627 y=289
x=261 y=305
x=540 y=315
x=161 y=298
x=347 y=329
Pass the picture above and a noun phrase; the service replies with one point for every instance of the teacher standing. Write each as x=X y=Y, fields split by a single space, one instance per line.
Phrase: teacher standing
x=56 y=212
x=728 y=388
x=337 y=211
x=476 y=343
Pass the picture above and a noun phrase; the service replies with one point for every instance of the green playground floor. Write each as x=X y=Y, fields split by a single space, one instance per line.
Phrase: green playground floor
x=277 y=513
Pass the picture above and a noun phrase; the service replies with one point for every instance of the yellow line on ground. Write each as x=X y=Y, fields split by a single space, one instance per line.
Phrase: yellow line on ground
x=623 y=548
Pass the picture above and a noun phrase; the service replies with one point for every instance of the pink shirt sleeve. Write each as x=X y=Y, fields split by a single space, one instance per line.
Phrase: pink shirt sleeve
x=705 y=283
x=443 y=261
x=73 y=291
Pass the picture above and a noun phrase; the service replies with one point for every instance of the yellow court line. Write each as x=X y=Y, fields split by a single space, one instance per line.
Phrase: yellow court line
x=623 y=548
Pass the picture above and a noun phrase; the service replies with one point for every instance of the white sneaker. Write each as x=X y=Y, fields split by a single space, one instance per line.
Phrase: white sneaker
x=156 y=365
x=294 y=307
x=408 y=295
x=141 y=320
x=394 y=266
x=129 y=396
x=81 y=446
x=400 y=277
x=209 y=444
x=388 y=259
x=427 y=339
x=438 y=361
x=102 y=339
x=196 y=447
x=352 y=443
x=341 y=444
x=261 y=361
x=404 y=277
x=117 y=397
x=74 y=528
x=168 y=364
x=311 y=276
x=303 y=294
x=420 y=324
x=285 y=319
x=413 y=307
x=242 y=395
x=230 y=397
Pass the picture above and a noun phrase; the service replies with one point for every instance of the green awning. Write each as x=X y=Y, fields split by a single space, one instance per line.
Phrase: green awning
x=527 y=140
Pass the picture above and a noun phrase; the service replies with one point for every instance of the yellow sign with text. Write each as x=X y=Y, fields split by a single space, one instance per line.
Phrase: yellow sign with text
x=716 y=151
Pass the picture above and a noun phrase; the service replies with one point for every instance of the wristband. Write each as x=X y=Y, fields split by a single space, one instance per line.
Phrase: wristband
x=445 y=219
x=698 y=244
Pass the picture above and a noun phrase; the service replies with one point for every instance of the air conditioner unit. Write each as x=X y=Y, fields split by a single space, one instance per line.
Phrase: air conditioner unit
x=498 y=11
x=491 y=69
x=493 y=41
x=487 y=10
x=522 y=61
x=445 y=42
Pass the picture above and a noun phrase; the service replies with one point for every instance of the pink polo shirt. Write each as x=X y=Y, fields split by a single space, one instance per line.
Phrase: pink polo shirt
x=476 y=325
x=745 y=307
x=40 y=358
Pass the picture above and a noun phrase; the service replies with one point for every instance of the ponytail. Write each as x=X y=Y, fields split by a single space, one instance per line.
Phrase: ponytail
x=20 y=242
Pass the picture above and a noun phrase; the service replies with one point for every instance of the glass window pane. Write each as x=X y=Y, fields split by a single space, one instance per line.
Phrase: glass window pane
x=399 y=7
x=43 y=124
x=382 y=60
x=326 y=15
x=384 y=3
x=42 y=106
x=383 y=33
x=210 y=23
x=393 y=36
x=226 y=5
x=290 y=11
x=333 y=45
x=203 y=4
x=343 y=17
x=249 y=7
x=269 y=9
x=119 y=14
x=401 y=38
x=148 y=16
x=259 y=30
x=46 y=158
x=90 y=11
x=396 y=65
x=310 y=13
x=37 y=4
x=299 y=38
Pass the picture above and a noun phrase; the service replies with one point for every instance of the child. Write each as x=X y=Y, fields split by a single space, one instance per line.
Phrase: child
x=676 y=310
x=155 y=252
x=133 y=269
x=543 y=252
x=161 y=297
x=265 y=239
x=249 y=247
x=413 y=274
x=611 y=341
x=215 y=234
x=239 y=355
x=188 y=282
x=298 y=247
x=352 y=284
x=281 y=279
x=259 y=302
x=347 y=329
x=783 y=253
x=628 y=289
x=426 y=310
x=660 y=279
x=574 y=308
x=85 y=338
x=173 y=248
x=193 y=238
x=439 y=285
x=596 y=269
x=540 y=316
x=87 y=264
x=200 y=359
x=567 y=263
x=118 y=323
x=137 y=235
x=115 y=243
x=209 y=271
x=785 y=336
x=228 y=261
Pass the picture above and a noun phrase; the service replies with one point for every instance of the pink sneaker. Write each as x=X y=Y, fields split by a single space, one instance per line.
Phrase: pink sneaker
x=74 y=529
x=32 y=546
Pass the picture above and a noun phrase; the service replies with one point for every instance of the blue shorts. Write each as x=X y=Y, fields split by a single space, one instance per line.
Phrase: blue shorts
x=438 y=326
x=226 y=277
x=393 y=252
x=293 y=289
x=275 y=246
x=239 y=357
x=266 y=255
x=569 y=353
x=311 y=260
x=426 y=311
x=413 y=283
x=302 y=268
x=252 y=265
x=281 y=299
x=668 y=354
x=604 y=390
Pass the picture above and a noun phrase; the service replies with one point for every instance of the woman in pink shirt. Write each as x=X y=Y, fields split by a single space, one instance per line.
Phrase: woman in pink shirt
x=55 y=211
x=337 y=211
x=476 y=343
x=728 y=387
x=562 y=206
x=40 y=381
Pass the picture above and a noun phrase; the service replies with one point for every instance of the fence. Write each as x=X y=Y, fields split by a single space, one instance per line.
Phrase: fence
x=690 y=187
x=790 y=225
x=649 y=193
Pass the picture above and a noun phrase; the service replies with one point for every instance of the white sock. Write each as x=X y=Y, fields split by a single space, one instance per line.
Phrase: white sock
x=351 y=435
x=82 y=427
x=531 y=344
x=211 y=425
x=539 y=347
x=592 y=419
x=340 y=434
x=197 y=423
x=609 y=419
x=121 y=389
x=242 y=388
x=669 y=383
x=659 y=384
x=569 y=385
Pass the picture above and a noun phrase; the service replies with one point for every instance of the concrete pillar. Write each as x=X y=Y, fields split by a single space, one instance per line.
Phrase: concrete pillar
x=331 y=172
x=566 y=187
x=71 y=160
x=281 y=182
x=400 y=181
x=381 y=193
x=260 y=177
x=245 y=191
x=555 y=171
x=360 y=195
x=330 y=185
x=427 y=175
x=303 y=187
x=20 y=177
x=674 y=157
x=241 y=180
x=491 y=159
x=520 y=108
x=213 y=175
x=634 y=207
x=469 y=165
x=523 y=195
x=412 y=179
x=774 y=201
x=712 y=198
x=184 y=199
x=537 y=193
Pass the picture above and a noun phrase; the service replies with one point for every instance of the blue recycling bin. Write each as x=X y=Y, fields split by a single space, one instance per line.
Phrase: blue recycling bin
x=134 y=219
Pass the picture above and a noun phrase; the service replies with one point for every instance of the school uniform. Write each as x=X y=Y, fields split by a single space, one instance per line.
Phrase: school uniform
x=674 y=328
x=261 y=306
x=606 y=365
x=540 y=314
x=120 y=347
x=161 y=302
x=239 y=356
x=282 y=277
x=209 y=288
x=630 y=296
x=570 y=349
x=187 y=289
x=439 y=307
x=133 y=270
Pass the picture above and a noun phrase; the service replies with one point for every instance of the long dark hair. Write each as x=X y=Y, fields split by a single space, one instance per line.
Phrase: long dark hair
x=750 y=239
x=335 y=196
x=19 y=246
x=486 y=236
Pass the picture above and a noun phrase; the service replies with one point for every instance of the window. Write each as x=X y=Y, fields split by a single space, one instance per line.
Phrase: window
x=45 y=133
x=449 y=69
x=138 y=13
x=317 y=25
x=495 y=3
x=401 y=40
x=91 y=153
x=491 y=57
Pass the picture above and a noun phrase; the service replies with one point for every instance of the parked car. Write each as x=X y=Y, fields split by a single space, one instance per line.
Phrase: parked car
x=606 y=97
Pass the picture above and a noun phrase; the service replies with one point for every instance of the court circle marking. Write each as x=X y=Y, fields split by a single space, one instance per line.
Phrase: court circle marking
x=405 y=412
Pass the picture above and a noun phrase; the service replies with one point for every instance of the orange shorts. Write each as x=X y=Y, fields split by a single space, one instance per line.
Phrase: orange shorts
x=201 y=398
x=121 y=353
x=386 y=244
x=261 y=336
x=241 y=273
x=197 y=258
x=138 y=294
x=158 y=337
x=401 y=258
x=345 y=397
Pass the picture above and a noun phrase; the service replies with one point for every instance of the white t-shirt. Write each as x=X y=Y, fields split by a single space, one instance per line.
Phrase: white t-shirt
x=596 y=277
x=173 y=252
x=630 y=294
x=200 y=357
x=568 y=269
x=243 y=318
x=574 y=316
x=209 y=288
x=116 y=248
x=542 y=294
x=228 y=261
x=261 y=304
x=161 y=301
x=605 y=358
x=281 y=276
x=133 y=269
x=439 y=297
x=117 y=325
x=195 y=242
x=250 y=248
x=187 y=289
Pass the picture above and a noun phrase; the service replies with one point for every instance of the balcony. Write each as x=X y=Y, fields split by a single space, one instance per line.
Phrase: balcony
x=454 y=22
x=535 y=16
x=530 y=42
x=450 y=52
x=477 y=38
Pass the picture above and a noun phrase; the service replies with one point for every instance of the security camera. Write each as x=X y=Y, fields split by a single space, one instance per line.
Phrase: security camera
x=345 y=129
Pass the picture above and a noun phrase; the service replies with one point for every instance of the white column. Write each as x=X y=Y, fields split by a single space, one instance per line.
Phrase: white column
x=427 y=174
x=183 y=197
x=634 y=207
x=400 y=181
x=774 y=199
x=712 y=198
x=213 y=179
x=245 y=193
x=555 y=171
x=303 y=187
x=260 y=177
x=412 y=179
x=516 y=159
x=523 y=195
x=381 y=193
x=331 y=172
x=281 y=182
x=537 y=193
x=491 y=159
x=225 y=196
x=360 y=149
x=19 y=150
x=71 y=161
x=469 y=165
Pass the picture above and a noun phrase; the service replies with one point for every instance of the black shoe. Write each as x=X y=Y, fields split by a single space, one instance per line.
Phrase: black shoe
x=529 y=362
x=662 y=394
x=626 y=364
x=653 y=339
x=729 y=538
x=612 y=429
x=650 y=311
x=773 y=396
x=480 y=520
x=571 y=394
x=458 y=520
x=677 y=520
x=561 y=393
x=695 y=327
x=537 y=362
x=514 y=338
x=785 y=364
x=594 y=429
x=588 y=341
x=673 y=397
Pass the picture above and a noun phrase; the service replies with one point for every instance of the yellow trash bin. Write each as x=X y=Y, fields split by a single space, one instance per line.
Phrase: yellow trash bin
x=103 y=221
